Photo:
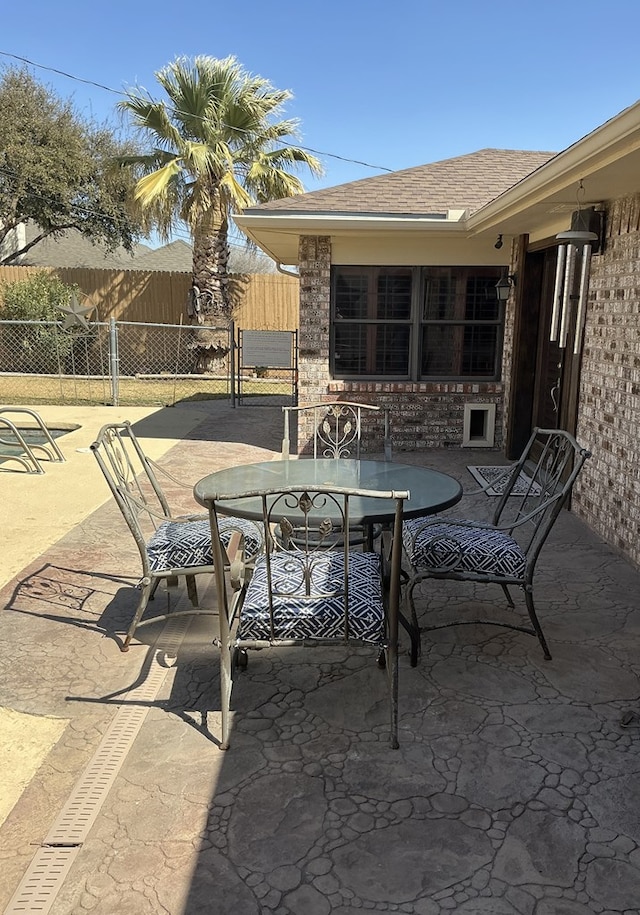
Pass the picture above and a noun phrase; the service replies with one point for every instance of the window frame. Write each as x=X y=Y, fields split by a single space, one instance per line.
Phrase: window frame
x=416 y=322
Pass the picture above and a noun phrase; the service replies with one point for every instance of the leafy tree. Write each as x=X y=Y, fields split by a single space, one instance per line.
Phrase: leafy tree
x=217 y=149
x=58 y=170
x=37 y=347
x=250 y=260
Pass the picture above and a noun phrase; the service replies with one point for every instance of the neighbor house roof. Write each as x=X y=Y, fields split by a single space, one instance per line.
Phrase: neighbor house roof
x=176 y=256
x=462 y=183
x=72 y=249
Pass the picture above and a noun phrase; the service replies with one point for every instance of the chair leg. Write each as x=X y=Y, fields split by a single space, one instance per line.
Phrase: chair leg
x=226 y=677
x=507 y=594
x=192 y=590
x=148 y=587
x=528 y=595
x=392 y=673
x=411 y=625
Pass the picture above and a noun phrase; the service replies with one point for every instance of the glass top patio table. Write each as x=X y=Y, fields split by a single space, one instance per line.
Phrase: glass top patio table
x=430 y=491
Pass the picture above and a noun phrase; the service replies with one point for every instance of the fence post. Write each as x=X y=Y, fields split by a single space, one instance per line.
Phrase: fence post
x=114 y=361
x=232 y=362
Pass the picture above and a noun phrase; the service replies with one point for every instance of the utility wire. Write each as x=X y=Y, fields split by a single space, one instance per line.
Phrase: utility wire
x=181 y=234
x=177 y=111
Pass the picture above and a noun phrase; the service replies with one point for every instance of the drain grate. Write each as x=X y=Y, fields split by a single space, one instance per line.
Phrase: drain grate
x=46 y=873
x=42 y=881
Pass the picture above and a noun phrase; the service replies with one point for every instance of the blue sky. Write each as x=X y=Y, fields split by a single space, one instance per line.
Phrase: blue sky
x=392 y=85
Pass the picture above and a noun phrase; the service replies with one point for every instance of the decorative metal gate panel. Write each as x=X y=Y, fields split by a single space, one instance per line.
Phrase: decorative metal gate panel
x=267 y=367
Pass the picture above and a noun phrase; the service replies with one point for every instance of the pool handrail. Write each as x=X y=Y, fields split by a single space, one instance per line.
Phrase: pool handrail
x=28 y=459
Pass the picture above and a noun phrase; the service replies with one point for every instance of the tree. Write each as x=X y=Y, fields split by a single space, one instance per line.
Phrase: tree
x=58 y=170
x=35 y=343
x=216 y=151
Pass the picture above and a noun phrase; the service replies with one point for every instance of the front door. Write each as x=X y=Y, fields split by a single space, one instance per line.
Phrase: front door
x=545 y=376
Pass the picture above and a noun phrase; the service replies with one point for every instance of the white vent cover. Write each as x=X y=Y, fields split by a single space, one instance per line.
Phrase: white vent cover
x=479 y=425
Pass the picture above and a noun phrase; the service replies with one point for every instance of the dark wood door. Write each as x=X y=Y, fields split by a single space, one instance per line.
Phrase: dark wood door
x=557 y=368
x=545 y=376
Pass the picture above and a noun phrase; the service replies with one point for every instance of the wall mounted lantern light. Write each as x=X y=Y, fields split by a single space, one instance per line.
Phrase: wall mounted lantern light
x=574 y=255
x=504 y=286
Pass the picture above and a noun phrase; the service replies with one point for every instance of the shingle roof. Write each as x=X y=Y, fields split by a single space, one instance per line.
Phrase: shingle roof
x=177 y=257
x=74 y=250
x=464 y=182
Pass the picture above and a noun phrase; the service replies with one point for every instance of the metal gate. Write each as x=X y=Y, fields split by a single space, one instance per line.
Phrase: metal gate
x=267 y=367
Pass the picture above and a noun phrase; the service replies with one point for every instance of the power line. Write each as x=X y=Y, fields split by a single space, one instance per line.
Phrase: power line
x=78 y=79
x=123 y=94
x=181 y=234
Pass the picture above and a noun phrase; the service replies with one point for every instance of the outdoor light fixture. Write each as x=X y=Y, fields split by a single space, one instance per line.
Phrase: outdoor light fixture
x=575 y=248
x=504 y=285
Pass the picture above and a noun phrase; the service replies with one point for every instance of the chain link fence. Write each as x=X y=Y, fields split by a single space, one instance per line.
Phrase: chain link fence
x=115 y=363
x=131 y=364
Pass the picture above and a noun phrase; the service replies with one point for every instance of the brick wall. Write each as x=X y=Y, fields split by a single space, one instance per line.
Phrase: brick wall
x=607 y=495
x=423 y=415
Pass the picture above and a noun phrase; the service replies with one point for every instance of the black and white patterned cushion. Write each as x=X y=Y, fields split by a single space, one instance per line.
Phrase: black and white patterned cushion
x=454 y=547
x=300 y=617
x=250 y=530
x=187 y=544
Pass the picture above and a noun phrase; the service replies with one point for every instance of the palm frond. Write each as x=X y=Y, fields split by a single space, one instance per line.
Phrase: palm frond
x=219 y=145
x=155 y=185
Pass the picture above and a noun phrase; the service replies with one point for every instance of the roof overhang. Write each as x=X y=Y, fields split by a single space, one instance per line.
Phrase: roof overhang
x=607 y=161
x=277 y=233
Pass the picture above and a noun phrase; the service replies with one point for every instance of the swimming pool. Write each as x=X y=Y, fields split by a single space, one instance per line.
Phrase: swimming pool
x=35 y=436
x=29 y=444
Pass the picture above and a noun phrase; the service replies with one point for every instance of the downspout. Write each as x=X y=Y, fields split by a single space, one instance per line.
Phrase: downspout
x=281 y=269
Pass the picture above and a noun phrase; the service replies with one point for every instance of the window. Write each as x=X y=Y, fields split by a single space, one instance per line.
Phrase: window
x=415 y=323
x=372 y=320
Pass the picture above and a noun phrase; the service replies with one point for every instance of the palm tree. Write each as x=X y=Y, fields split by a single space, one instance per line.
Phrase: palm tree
x=216 y=151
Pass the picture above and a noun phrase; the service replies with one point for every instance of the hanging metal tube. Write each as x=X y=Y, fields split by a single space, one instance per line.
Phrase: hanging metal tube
x=582 y=299
x=566 y=295
x=557 y=293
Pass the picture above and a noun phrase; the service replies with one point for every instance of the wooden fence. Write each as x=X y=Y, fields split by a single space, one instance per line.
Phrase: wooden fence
x=263 y=301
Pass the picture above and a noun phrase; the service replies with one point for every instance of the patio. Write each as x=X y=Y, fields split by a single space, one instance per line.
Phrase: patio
x=515 y=788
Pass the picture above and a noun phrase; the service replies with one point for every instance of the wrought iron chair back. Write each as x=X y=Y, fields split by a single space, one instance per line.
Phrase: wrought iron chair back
x=334 y=427
x=309 y=587
x=506 y=550
x=170 y=546
x=545 y=473
x=131 y=478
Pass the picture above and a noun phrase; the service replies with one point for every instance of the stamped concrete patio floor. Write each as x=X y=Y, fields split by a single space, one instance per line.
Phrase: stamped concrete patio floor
x=516 y=789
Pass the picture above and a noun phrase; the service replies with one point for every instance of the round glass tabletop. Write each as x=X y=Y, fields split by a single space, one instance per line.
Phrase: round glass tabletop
x=429 y=490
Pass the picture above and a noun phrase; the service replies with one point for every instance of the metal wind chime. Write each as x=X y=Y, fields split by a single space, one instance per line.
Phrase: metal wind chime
x=574 y=253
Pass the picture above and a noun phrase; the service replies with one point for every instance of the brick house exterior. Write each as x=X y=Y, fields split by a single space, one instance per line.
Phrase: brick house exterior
x=608 y=496
x=598 y=381
x=425 y=414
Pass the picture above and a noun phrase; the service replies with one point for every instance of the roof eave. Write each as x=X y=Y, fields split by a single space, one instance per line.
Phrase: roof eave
x=313 y=223
x=602 y=146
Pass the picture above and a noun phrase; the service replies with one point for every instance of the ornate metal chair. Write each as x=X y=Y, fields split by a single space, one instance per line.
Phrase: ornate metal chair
x=336 y=428
x=170 y=546
x=308 y=587
x=505 y=551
